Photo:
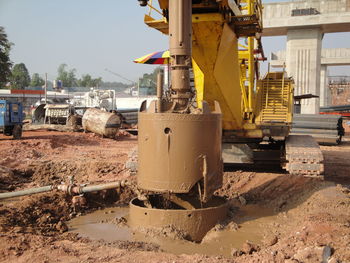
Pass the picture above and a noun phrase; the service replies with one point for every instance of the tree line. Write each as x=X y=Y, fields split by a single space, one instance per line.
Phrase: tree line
x=18 y=75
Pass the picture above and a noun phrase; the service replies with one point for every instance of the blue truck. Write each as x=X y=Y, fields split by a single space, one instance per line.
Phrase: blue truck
x=11 y=118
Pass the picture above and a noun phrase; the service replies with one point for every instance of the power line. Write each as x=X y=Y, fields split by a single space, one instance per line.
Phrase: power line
x=120 y=76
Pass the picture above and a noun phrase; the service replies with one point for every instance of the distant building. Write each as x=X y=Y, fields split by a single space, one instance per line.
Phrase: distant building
x=30 y=97
x=340 y=90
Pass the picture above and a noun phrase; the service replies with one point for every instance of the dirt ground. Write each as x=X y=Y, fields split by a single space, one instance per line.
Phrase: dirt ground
x=313 y=216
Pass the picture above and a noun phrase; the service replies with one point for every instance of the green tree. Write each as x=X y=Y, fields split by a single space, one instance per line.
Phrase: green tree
x=19 y=76
x=149 y=81
x=37 y=81
x=97 y=82
x=88 y=82
x=67 y=77
x=85 y=81
x=5 y=63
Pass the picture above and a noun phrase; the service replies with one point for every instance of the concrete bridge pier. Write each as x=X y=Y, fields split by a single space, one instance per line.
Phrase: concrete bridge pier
x=303 y=62
x=325 y=92
x=304 y=22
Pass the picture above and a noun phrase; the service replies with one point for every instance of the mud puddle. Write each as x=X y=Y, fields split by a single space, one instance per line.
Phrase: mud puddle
x=101 y=225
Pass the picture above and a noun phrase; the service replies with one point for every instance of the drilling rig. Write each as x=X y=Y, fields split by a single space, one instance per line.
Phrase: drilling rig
x=232 y=114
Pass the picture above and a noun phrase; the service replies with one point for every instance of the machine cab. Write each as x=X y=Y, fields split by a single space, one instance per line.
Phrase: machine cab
x=10 y=113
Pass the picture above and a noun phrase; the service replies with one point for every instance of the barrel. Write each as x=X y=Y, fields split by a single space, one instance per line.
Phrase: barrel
x=101 y=122
x=38 y=115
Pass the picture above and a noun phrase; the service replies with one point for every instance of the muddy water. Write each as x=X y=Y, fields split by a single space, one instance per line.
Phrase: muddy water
x=251 y=220
x=100 y=225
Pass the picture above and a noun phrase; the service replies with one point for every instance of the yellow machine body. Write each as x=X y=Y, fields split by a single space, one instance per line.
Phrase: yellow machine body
x=228 y=72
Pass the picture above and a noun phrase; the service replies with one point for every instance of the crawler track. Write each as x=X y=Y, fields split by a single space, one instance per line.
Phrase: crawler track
x=303 y=156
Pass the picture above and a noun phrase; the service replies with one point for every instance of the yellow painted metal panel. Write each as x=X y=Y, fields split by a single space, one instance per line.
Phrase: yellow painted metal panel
x=227 y=74
x=163 y=26
x=216 y=54
x=197 y=18
x=198 y=82
x=163 y=4
x=159 y=24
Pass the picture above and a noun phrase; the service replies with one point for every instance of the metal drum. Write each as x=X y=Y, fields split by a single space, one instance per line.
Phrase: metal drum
x=101 y=122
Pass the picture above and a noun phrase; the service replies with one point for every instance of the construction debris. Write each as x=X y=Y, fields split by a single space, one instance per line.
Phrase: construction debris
x=101 y=122
x=49 y=127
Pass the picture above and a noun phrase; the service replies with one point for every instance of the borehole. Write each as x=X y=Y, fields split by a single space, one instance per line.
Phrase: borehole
x=183 y=213
x=103 y=224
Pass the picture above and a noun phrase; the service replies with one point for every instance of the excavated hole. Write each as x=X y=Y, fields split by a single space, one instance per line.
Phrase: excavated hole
x=111 y=225
x=158 y=201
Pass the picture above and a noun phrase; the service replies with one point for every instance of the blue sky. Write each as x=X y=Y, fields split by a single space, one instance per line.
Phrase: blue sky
x=92 y=35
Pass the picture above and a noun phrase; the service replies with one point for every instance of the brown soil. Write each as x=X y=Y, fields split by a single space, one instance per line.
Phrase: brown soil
x=313 y=215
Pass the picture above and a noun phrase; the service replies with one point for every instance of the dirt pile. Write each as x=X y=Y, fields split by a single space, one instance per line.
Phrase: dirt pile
x=6 y=177
x=53 y=157
x=41 y=214
x=50 y=172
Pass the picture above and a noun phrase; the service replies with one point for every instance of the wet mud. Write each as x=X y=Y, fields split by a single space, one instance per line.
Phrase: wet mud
x=111 y=224
x=104 y=224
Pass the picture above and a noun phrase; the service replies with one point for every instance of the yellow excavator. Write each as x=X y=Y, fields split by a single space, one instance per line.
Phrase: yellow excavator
x=256 y=112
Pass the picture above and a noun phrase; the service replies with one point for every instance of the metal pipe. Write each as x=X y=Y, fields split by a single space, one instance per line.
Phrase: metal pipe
x=27 y=192
x=180 y=42
x=45 y=88
x=72 y=189
x=251 y=68
x=160 y=81
x=151 y=7
x=69 y=189
x=107 y=186
x=181 y=21
x=251 y=72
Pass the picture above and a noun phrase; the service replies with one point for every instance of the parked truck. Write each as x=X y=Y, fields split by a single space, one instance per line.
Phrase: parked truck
x=11 y=118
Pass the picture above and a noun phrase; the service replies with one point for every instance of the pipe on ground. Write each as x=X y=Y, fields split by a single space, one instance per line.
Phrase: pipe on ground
x=30 y=191
x=69 y=189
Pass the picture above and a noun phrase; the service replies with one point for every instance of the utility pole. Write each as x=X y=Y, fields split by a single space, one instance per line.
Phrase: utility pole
x=45 y=88
x=138 y=88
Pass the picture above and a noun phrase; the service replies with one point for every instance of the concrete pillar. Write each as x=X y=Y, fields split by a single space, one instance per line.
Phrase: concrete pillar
x=303 y=63
x=324 y=88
